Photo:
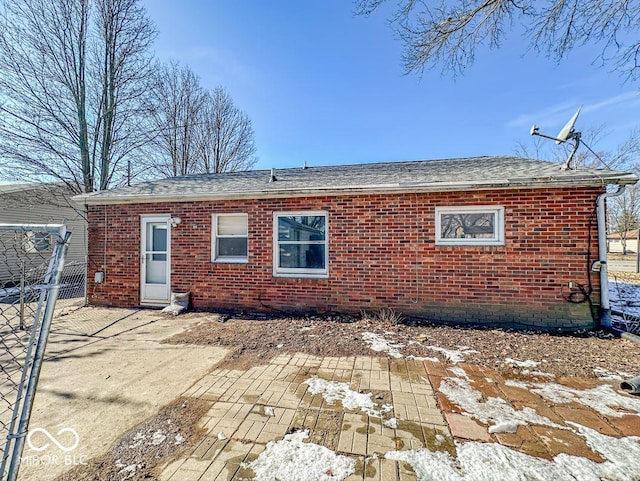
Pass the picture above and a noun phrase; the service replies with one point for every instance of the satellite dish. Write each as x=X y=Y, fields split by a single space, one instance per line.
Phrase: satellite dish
x=567 y=133
x=567 y=130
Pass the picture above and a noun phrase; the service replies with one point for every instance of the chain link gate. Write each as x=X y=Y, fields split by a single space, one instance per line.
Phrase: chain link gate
x=31 y=263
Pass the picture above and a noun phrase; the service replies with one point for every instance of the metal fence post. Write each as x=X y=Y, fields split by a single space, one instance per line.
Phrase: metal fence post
x=53 y=286
x=24 y=353
x=22 y=324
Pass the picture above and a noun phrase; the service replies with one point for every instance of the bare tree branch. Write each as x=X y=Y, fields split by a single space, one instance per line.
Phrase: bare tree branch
x=448 y=34
x=72 y=74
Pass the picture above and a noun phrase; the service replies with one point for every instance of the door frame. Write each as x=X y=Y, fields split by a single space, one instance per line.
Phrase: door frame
x=144 y=220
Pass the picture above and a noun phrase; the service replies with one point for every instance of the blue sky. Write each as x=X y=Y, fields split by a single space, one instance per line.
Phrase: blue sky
x=325 y=87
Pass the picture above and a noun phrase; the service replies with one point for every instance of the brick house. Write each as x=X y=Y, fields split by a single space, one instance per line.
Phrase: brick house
x=495 y=240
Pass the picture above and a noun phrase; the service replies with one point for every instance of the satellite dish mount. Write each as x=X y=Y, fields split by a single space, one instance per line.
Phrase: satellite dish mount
x=567 y=133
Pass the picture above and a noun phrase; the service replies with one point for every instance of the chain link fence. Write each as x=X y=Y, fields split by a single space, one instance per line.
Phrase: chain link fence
x=31 y=277
x=624 y=295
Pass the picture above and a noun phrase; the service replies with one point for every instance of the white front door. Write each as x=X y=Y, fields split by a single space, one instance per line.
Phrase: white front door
x=156 y=260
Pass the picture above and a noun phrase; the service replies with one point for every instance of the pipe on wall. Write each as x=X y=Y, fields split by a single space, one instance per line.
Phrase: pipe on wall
x=605 y=316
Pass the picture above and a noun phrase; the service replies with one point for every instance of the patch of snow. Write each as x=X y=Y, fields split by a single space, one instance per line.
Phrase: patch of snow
x=607 y=375
x=520 y=384
x=179 y=439
x=333 y=391
x=440 y=438
x=221 y=436
x=268 y=411
x=306 y=328
x=284 y=459
x=418 y=358
x=625 y=297
x=600 y=398
x=454 y=356
x=517 y=363
x=477 y=461
x=158 y=438
x=543 y=374
x=459 y=372
x=391 y=423
x=128 y=471
x=138 y=439
x=380 y=344
x=504 y=427
x=494 y=411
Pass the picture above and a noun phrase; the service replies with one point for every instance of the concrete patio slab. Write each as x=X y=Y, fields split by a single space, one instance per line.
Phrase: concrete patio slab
x=103 y=385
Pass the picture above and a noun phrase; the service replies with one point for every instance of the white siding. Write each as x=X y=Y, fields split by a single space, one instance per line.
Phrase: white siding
x=45 y=205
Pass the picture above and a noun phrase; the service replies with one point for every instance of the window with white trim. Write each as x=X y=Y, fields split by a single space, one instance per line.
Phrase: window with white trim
x=34 y=242
x=229 y=241
x=476 y=225
x=300 y=244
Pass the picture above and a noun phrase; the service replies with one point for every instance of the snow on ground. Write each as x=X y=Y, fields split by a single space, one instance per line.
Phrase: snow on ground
x=607 y=375
x=459 y=372
x=126 y=471
x=600 y=398
x=284 y=460
x=525 y=364
x=540 y=374
x=380 y=344
x=454 y=356
x=477 y=461
x=494 y=411
x=625 y=297
x=333 y=391
x=391 y=423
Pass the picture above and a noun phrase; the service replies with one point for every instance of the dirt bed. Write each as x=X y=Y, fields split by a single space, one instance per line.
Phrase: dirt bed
x=151 y=444
x=256 y=340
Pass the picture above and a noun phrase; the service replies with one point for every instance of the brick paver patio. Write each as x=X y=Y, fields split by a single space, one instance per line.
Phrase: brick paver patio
x=262 y=404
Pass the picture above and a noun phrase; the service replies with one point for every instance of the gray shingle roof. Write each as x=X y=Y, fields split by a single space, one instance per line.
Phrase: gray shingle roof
x=414 y=176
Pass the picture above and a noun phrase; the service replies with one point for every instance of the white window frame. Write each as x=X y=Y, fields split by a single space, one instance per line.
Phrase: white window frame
x=214 y=239
x=497 y=211
x=301 y=272
x=31 y=244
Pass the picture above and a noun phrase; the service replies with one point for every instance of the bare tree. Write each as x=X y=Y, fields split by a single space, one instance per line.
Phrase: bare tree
x=624 y=214
x=197 y=131
x=448 y=33
x=177 y=116
x=227 y=138
x=72 y=76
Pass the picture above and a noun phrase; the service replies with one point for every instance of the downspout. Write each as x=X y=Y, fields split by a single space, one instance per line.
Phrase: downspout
x=605 y=316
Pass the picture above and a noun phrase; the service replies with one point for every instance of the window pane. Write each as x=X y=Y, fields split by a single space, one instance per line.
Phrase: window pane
x=232 y=225
x=468 y=226
x=302 y=256
x=41 y=240
x=157 y=237
x=301 y=228
x=34 y=242
x=232 y=247
x=156 y=269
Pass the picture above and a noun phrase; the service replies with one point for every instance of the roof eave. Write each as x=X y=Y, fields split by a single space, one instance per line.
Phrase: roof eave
x=96 y=199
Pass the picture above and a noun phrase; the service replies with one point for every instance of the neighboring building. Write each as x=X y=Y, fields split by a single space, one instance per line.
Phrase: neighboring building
x=615 y=242
x=495 y=240
x=44 y=203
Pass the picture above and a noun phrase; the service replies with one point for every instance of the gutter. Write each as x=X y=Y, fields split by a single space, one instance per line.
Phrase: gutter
x=605 y=306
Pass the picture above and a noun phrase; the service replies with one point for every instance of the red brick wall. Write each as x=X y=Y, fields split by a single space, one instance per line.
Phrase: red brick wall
x=382 y=253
